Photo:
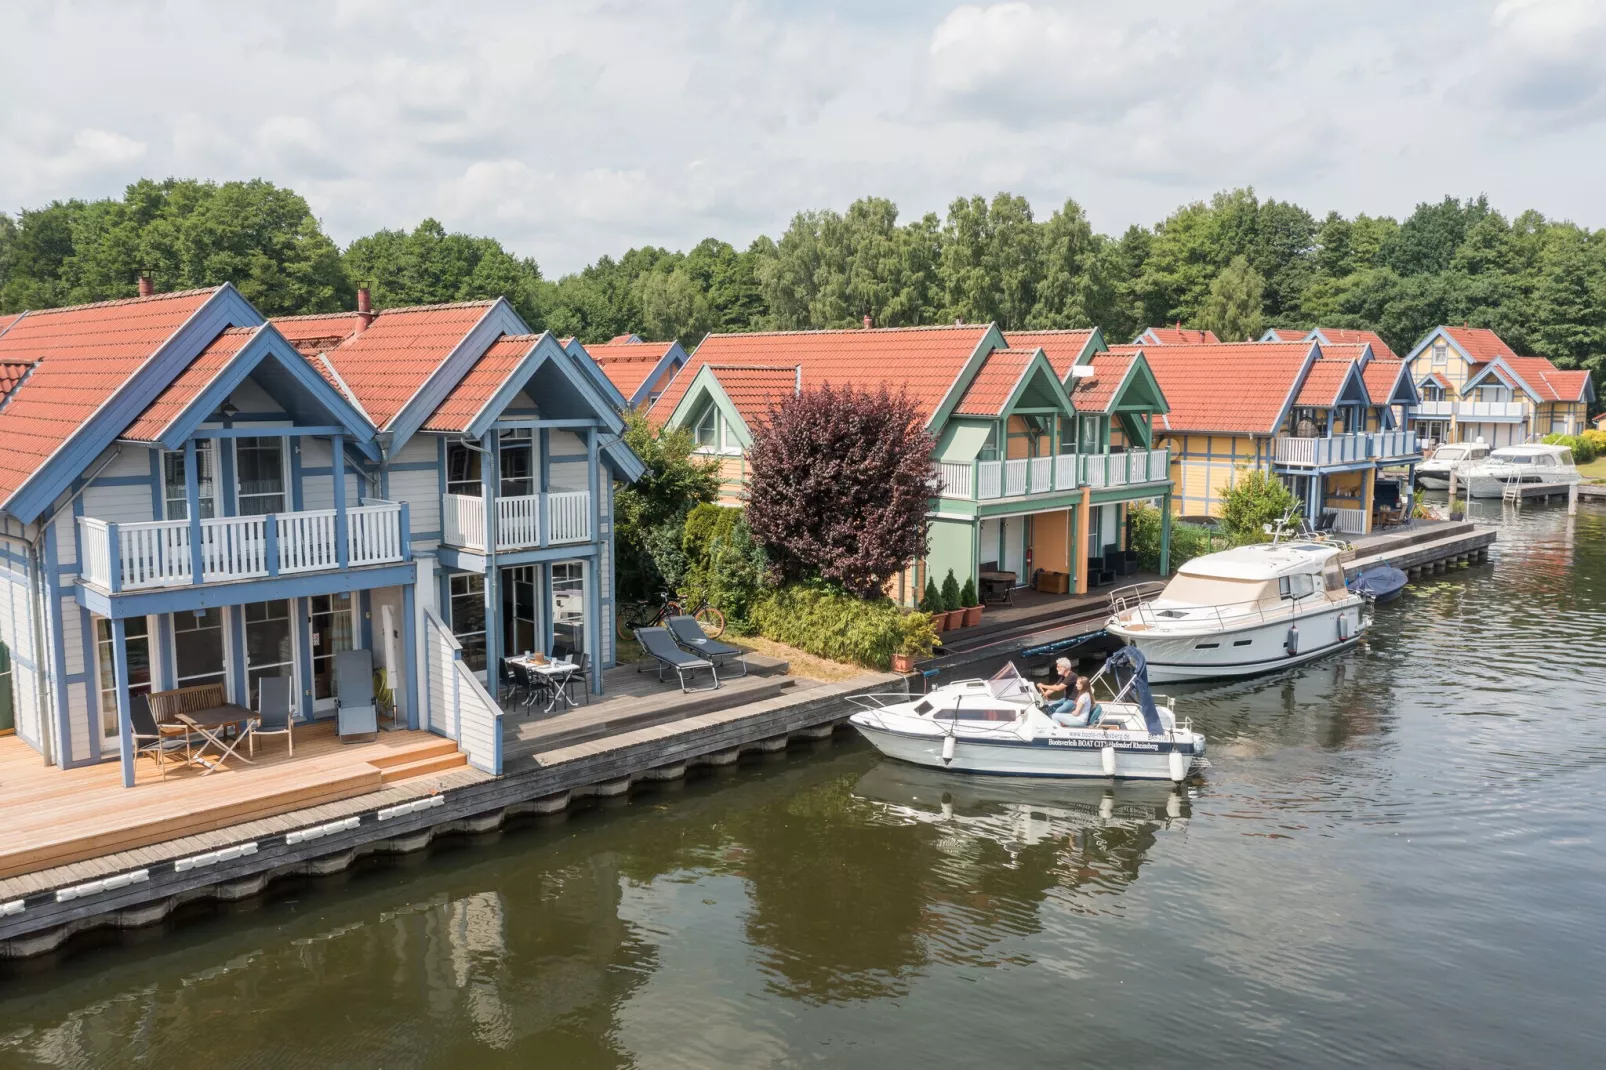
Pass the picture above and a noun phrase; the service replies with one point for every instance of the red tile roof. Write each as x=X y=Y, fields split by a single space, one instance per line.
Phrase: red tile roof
x=1109 y=371
x=627 y=364
x=755 y=389
x=1380 y=377
x=1441 y=381
x=1179 y=336
x=1548 y=381
x=385 y=365
x=481 y=383
x=1288 y=334
x=1345 y=336
x=1326 y=379
x=1237 y=388
x=171 y=403
x=1479 y=343
x=83 y=356
x=621 y=340
x=11 y=375
x=1061 y=347
x=318 y=333
x=989 y=391
x=6 y=321
x=923 y=361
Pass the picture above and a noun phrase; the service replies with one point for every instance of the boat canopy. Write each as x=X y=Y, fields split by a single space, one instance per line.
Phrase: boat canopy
x=1007 y=683
x=1131 y=672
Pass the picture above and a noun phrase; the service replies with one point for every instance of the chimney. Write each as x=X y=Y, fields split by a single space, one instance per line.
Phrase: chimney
x=365 y=309
x=147 y=285
x=867 y=321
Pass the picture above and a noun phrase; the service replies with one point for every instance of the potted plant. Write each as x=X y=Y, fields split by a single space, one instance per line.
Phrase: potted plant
x=932 y=604
x=972 y=604
x=950 y=602
x=919 y=637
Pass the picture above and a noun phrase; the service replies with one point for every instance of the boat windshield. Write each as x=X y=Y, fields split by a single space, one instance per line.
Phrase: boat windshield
x=1449 y=453
x=1008 y=683
x=1213 y=591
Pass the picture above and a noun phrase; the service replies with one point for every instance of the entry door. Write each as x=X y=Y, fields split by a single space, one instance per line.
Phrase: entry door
x=569 y=604
x=198 y=648
x=1014 y=556
x=332 y=619
x=270 y=646
x=140 y=641
x=521 y=622
x=989 y=549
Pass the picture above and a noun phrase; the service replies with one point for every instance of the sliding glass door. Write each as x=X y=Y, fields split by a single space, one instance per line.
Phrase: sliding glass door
x=259 y=473
x=569 y=604
x=521 y=623
x=198 y=648
x=270 y=648
x=333 y=621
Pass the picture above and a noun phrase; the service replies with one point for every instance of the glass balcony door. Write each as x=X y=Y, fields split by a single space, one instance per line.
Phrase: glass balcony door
x=199 y=650
x=332 y=620
x=569 y=604
x=521 y=618
x=259 y=467
x=270 y=647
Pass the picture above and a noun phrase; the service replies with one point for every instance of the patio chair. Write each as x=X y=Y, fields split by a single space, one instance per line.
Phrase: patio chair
x=660 y=646
x=689 y=634
x=581 y=679
x=273 y=718
x=152 y=740
x=1097 y=574
x=355 y=710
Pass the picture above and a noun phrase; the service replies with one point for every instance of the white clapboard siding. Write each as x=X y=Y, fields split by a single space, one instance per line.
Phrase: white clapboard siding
x=458 y=706
x=249 y=397
x=481 y=723
x=420 y=491
x=569 y=476
x=16 y=631
x=72 y=635
x=566 y=443
x=605 y=578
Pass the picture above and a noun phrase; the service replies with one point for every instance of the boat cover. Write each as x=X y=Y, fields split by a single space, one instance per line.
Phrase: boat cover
x=1131 y=670
x=1008 y=683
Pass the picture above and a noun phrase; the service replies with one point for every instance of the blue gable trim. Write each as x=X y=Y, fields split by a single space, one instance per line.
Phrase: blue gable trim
x=224 y=309
x=599 y=378
x=546 y=350
x=674 y=356
x=499 y=319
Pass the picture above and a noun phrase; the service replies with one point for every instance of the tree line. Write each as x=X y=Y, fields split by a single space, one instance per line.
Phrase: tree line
x=1234 y=264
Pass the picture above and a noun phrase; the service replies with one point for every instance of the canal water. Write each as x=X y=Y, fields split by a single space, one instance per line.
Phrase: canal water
x=1394 y=860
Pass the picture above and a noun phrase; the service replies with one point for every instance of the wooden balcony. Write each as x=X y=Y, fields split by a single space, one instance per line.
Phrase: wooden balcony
x=1345 y=449
x=1026 y=476
x=166 y=553
x=563 y=516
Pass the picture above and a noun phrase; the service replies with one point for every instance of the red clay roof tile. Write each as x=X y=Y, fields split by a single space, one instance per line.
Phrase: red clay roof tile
x=387 y=363
x=990 y=389
x=82 y=355
x=1179 y=336
x=170 y=403
x=1380 y=377
x=1548 y=381
x=1479 y=343
x=1061 y=347
x=481 y=383
x=1236 y=388
x=318 y=332
x=1287 y=334
x=1326 y=379
x=1345 y=336
x=11 y=375
x=755 y=389
x=1109 y=371
x=627 y=364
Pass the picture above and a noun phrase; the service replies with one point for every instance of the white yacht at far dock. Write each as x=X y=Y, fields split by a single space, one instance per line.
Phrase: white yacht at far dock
x=1244 y=611
x=1535 y=462
x=1434 y=473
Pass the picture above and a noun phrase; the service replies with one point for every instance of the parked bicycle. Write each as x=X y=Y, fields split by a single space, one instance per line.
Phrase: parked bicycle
x=649 y=613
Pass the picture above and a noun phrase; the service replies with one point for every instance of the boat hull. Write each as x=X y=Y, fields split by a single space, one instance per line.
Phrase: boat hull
x=1134 y=759
x=1490 y=487
x=1432 y=481
x=1247 y=651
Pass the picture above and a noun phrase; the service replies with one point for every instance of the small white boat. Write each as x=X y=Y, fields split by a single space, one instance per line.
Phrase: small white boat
x=998 y=726
x=1434 y=473
x=1243 y=611
x=1535 y=462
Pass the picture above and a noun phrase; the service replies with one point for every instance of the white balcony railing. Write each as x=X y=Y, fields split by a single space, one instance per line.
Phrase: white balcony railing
x=128 y=557
x=1434 y=410
x=953 y=479
x=1338 y=449
x=1126 y=469
x=1390 y=444
x=1046 y=475
x=1490 y=410
x=518 y=520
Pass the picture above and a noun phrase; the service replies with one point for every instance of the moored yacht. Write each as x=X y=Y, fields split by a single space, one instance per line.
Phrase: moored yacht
x=1434 y=473
x=1243 y=611
x=1535 y=462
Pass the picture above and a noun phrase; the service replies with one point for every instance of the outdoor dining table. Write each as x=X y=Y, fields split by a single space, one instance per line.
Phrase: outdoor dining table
x=210 y=725
x=559 y=672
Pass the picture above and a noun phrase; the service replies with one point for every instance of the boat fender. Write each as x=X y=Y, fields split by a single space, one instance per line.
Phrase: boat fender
x=947 y=749
x=1291 y=644
x=1107 y=754
x=1343 y=628
x=1179 y=765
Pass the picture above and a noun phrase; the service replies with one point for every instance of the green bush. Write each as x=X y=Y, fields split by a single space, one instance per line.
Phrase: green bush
x=723 y=563
x=828 y=622
x=1256 y=499
x=1187 y=540
x=919 y=635
x=967 y=594
x=1583 y=449
x=950 y=593
x=932 y=602
x=1596 y=440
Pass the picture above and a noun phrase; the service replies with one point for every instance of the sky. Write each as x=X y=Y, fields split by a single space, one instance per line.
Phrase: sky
x=570 y=130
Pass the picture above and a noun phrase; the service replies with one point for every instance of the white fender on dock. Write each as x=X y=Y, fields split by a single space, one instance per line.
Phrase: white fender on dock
x=1107 y=754
x=948 y=749
x=1179 y=766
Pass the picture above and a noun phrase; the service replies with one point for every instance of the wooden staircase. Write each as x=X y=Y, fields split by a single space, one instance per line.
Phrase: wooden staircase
x=419 y=761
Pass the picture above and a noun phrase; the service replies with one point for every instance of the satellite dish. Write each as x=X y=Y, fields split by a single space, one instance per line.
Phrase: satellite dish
x=1082 y=371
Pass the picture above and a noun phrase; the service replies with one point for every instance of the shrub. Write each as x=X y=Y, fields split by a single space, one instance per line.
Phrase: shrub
x=932 y=601
x=724 y=563
x=967 y=594
x=1255 y=499
x=649 y=512
x=1187 y=540
x=1583 y=450
x=1596 y=440
x=919 y=635
x=829 y=622
x=950 y=593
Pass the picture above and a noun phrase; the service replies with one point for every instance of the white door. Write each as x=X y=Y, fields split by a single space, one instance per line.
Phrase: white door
x=332 y=620
x=1013 y=558
x=991 y=531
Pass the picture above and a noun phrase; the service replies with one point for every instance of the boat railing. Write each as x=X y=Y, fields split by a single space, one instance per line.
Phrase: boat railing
x=1219 y=617
x=1135 y=594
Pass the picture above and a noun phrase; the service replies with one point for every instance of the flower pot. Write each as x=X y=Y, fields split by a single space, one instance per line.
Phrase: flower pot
x=972 y=616
x=956 y=619
x=903 y=663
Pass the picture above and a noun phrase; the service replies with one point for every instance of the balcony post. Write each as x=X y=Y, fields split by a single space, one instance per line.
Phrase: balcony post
x=270 y=541
x=406 y=532
x=1165 y=535
x=591 y=490
x=192 y=509
x=114 y=554
x=337 y=470
x=125 y=720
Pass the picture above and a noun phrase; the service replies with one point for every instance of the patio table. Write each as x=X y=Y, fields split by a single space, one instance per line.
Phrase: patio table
x=558 y=671
x=210 y=725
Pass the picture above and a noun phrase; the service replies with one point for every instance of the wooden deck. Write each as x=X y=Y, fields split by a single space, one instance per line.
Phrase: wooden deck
x=1034 y=610
x=53 y=817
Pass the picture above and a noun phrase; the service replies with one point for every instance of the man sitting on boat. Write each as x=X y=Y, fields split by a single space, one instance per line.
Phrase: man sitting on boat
x=1075 y=710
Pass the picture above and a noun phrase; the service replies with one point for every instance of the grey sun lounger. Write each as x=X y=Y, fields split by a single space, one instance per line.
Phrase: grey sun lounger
x=354 y=695
x=689 y=634
x=660 y=646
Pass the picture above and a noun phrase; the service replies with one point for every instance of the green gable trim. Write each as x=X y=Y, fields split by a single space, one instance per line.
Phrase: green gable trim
x=704 y=391
x=1039 y=391
x=992 y=339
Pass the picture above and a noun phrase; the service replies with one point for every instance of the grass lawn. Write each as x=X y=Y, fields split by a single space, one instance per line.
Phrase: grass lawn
x=1594 y=471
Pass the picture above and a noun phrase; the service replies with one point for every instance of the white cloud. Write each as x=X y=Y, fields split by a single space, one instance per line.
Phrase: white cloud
x=569 y=130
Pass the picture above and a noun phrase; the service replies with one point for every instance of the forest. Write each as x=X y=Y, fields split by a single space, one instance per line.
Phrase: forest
x=1234 y=264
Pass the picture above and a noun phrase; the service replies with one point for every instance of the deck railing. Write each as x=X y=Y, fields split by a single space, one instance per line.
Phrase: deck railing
x=1349 y=521
x=1387 y=444
x=1490 y=410
x=1126 y=469
x=128 y=557
x=1046 y=475
x=518 y=519
x=1337 y=449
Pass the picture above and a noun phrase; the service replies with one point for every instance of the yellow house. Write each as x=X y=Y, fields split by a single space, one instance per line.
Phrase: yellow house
x=1474 y=387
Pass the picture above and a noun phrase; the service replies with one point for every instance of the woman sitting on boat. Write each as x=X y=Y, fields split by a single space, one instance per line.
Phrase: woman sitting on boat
x=1075 y=710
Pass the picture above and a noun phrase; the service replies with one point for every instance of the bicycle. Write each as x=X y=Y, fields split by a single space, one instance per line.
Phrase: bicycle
x=645 y=613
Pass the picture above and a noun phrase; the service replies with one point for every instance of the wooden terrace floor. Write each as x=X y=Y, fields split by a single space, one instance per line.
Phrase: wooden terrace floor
x=53 y=817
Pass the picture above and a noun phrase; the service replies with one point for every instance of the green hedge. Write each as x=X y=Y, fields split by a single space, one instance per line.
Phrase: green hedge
x=1187 y=540
x=830 y=623
x=1583 y=448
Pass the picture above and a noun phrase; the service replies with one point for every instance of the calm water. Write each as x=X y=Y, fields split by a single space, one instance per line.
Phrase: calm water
x=1394 y=860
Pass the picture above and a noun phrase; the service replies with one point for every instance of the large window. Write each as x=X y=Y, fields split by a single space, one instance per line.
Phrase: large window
x=1091 y=440
x=463 y=470
x=139 y=666
x=517 y=462
x=707 y=429
x=176 y=501
x=1441 y=353
x=468 y=617
x=520 y=623
x=330 y=618
x=198 y=647
x=1067 y=434
x=569 y=604
x=269 y=644
x=259 y=465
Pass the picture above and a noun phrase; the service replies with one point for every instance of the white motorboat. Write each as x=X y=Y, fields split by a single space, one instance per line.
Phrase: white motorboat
x=1243 y=611
x=1535 y=462
x=999 y=726
x=1434 y=473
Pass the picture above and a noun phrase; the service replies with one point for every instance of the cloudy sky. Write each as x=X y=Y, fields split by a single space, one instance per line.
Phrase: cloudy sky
x=573 y=129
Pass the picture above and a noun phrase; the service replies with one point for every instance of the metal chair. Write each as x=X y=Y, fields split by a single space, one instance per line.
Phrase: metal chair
x=274 y=716
x=153 y=740
x=355 y=710
x=580 y=678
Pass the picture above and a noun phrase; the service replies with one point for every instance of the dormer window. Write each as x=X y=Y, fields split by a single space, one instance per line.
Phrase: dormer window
x=1441 y=353
x=707 y=430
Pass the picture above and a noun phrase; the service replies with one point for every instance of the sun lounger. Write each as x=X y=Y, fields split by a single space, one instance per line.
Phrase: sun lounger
x=689 y=634
x=660 y=646
x=354 y=696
